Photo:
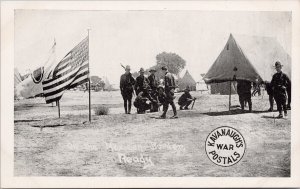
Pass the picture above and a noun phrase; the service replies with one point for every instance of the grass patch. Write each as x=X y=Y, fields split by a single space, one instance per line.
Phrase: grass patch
x=101 y=110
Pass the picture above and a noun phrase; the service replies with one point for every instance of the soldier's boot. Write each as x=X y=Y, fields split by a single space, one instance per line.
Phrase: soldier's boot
x=280 y=115
x=125 y=106
x=165 y=109
x=250 y=107
x=288 y=107
x=129 y=108
x=174 y=111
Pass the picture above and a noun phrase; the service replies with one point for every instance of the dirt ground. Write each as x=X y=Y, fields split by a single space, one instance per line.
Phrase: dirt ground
x=45 y=145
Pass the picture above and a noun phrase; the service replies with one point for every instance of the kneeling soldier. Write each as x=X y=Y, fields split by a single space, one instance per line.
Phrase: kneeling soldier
x=141 y=103
x=185 y=99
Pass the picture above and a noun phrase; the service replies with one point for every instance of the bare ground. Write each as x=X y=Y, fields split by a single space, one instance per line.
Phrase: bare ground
x=70 y=146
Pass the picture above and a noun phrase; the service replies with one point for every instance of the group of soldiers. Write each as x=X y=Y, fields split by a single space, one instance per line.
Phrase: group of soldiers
x=279 y=89
x=149 y=89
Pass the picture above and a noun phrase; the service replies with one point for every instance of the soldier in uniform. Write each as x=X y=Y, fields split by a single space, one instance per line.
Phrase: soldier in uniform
x=142 y=82
x=169 y=90
x=289 y=93
x=162 y=97
x=141 y=103
x=270 y=92
x=142 y=85
x=280 y=83
x=185 y=99
x=244 y=92
x=153 y=83
x=126 y=86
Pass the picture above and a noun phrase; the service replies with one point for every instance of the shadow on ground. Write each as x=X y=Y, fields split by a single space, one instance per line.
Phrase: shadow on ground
x=232 y=112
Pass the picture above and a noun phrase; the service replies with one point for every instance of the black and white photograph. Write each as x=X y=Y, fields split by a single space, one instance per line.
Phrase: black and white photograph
x=151 y=92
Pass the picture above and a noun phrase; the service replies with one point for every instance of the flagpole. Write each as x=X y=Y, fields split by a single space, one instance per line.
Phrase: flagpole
x=58 y=106
x=229 y=94
x=90 y=116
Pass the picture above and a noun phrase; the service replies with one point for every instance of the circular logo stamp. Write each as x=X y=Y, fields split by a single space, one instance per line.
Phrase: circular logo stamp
x=225 y=146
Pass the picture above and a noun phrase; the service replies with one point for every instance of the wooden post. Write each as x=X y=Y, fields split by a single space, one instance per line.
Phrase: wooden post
x=57 y=102
x=229 y=94
x=90 y=115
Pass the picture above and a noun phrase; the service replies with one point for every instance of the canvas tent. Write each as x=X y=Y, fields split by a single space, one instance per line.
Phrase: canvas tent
x=249 y=58
x=201 y=85
x=187 y=80
x=223 y=88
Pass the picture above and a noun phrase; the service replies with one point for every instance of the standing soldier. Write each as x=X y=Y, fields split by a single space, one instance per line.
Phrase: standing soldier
x=153 y=83
x=142 y=85
x=142 y=82
x=244 y=92
x=289 y=93
x=152 y=80
x=280 y=83
x=169 y=90
x=126 y=87
x=270 y=92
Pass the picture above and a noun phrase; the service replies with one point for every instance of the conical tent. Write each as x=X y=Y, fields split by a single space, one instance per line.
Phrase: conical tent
x=223 y=88
x=249 y=58
x=187 y=80
x=201 y=85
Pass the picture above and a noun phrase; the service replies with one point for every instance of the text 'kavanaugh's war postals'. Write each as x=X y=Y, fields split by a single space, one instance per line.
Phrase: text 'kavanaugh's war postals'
x=225 y=146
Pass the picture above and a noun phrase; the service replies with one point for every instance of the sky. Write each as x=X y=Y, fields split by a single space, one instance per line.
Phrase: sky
x=135 y=37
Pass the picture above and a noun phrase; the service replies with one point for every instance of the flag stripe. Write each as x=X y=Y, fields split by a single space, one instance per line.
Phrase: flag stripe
x=72 y=71
x=64 y=76
x=79 y=79
x=61 y=82
x=55 y=97
x=80 y=82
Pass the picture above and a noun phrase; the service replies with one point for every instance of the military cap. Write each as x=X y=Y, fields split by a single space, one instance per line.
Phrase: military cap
x=277 y=63
x=164 y=68
x=142 y=70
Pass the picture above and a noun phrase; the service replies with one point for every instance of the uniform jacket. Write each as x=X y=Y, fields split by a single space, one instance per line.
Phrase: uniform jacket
x=169 y=82
x=152 y=81
x=184 y=97
x=280 y=81
x=126 y=83
x=162 y=98
x=243 y=87
x=141 y=84
x=269 y=88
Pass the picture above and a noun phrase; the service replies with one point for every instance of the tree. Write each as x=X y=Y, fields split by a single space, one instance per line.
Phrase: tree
x=97 y=83
x=172 y=61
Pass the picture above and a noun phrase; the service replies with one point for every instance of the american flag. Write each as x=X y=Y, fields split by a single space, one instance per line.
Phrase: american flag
x=71 y=71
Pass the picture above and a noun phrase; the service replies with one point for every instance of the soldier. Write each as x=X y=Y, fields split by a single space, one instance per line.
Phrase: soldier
x=142 y=85
x=244 y=92
x=270 y=92
x=141 y=103
x=126 y=87
x=280 y=83
x=162 y=97
x=142 y=82
x=169 y=90
x=289 y=92
x=153 y=83
x=185 y=99
x=152 y=80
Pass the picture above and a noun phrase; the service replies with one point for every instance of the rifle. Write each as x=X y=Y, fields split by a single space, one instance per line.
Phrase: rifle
x=122 y=66
x=193 y=103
